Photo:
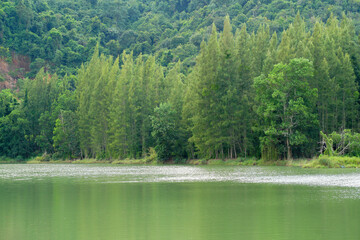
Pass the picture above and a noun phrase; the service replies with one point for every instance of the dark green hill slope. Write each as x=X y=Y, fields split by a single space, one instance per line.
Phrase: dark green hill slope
x=61 y=34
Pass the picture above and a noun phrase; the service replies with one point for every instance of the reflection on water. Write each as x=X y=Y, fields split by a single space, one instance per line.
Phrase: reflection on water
x=118 y=174
x=177 y=202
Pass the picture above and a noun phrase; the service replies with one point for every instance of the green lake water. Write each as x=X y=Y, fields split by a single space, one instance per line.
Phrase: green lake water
x=94 y=202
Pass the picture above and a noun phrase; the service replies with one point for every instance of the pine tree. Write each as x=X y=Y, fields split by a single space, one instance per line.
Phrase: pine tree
x=119 y=123
x=66 y=135
x=87 y=77
x=98 y=109
x=285 y=51
x=243 y=58
x=153 y=89
x=270 y=60
x=204 y=112
x=174 y=93
x=40 y=94
x=134 y=99
x=348 y=93
x=229 y=89
x=259 y=49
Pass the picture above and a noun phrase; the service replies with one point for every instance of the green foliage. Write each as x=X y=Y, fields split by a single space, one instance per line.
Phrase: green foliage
x=264 y=85
x=151 y=156
x=217 y=103
x=63 y=32
x=269 y=152
x=40 y=94
x=8 y=102
x=15 y=135
x=249 y=162
x=5 y=54
x=344 y=143
x=334 y=162
x=164 y=131
x=43 y=158
x=325 y=162
x=65 y=135
x=286 y=103
x=215 y=162
x=130 y=161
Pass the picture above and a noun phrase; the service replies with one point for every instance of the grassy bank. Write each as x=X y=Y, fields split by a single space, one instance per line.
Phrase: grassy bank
x=249 y=162
x=319 y=162
x=4 y=160
x=333 y=162
x=145 y=161
x=91 y=161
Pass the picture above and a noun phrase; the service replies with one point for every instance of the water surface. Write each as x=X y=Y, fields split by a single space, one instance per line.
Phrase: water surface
x=177 y=202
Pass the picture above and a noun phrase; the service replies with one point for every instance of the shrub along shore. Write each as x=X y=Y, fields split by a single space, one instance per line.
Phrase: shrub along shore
x=319 y=162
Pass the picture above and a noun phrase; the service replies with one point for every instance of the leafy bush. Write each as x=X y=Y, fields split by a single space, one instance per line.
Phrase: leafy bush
x=334 y=162
x=43 y=158
x=249 y=162
x=215 y=162
x=179 y=160
x=198 y=162
x=129 y=161
x=325 y=162
x=344 y=143
x=151 y=156
x=5 y=159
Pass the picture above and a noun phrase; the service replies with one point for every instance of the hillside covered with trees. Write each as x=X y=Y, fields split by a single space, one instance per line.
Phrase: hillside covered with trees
x=190 y=79
x=61 y=34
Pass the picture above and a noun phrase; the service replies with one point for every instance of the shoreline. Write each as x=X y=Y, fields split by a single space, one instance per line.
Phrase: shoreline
x=319 y=162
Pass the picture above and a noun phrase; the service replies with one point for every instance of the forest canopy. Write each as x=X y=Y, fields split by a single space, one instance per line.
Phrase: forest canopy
x=114 y=79
x=61 y=34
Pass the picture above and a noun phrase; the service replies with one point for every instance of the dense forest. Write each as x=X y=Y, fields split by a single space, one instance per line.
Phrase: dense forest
x=116 y=79
x=61 y=34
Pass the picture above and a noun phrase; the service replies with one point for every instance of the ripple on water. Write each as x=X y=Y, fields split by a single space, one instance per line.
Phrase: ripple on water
x=130 y=174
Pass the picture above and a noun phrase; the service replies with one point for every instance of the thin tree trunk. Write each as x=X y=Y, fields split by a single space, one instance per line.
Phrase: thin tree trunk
x=222 y=152
x=245 y=137
x=288 y=148
x=344 y=114
x=235 y=151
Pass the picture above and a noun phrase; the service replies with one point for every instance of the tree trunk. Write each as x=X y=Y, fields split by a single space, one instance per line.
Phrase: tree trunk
x=235 y=151
x=245 y=140
x=288 y=149
x=222 y=152
x=343 y=113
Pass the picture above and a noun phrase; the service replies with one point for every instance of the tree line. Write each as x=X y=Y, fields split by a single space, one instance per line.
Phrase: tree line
x=249 y=94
